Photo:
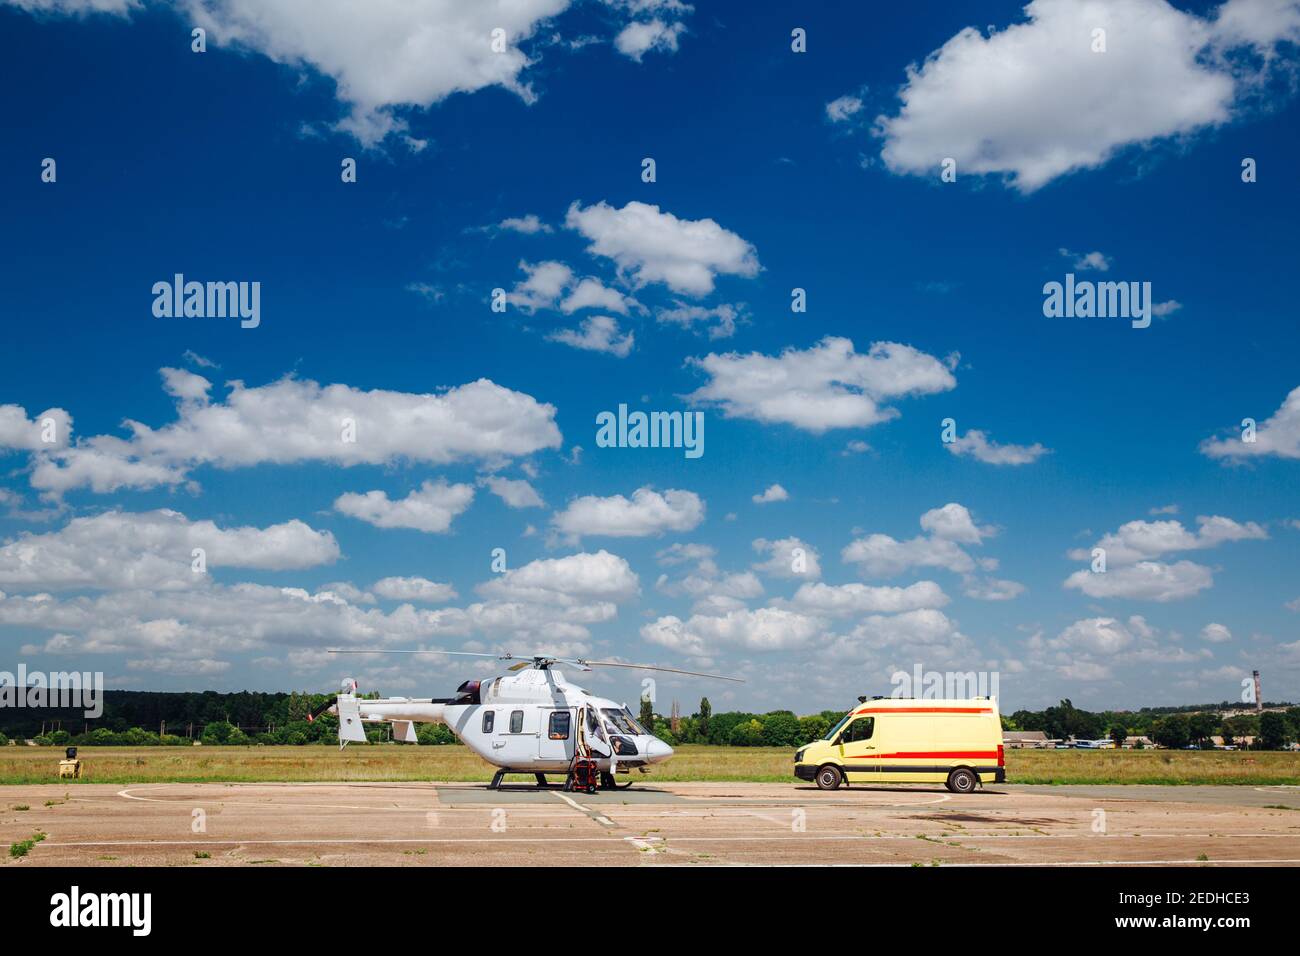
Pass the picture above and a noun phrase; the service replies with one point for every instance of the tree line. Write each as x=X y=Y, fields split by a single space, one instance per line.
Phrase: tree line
x=777 y=728
x=1172 y=727
x=149 y=718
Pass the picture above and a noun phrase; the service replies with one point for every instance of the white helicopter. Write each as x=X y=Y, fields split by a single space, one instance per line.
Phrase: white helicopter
x=530 y=721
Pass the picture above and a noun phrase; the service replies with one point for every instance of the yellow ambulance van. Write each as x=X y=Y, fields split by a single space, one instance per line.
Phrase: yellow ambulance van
x=902 y=740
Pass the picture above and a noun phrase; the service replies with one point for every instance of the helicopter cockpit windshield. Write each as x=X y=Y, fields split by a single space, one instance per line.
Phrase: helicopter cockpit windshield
x=623 y=721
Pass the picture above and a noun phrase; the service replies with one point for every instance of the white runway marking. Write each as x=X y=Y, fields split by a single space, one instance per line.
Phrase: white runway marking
x=1113 y=863
x=203 y=798
x=638 y=843
x=676 y=838
x=329 y=840
x=625 y=811
x=588 y=811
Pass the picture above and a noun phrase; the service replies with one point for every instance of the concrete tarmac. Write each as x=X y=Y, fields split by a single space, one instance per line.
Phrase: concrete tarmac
x=700 y=824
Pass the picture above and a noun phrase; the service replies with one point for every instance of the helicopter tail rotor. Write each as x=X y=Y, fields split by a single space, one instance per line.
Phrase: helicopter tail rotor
x=349 y=687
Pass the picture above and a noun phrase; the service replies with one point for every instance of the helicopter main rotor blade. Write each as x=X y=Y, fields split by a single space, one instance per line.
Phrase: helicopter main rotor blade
x=539 y=659
x=656 y=667
x=376 y=650
x=524 y=660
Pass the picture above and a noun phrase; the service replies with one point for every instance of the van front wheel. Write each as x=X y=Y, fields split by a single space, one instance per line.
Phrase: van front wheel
x=829 y=777
x=962 y=780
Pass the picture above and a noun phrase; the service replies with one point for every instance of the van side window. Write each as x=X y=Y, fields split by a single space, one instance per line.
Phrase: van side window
x=489 y=718
x=559 y=727
x=516 y=721
x=860 y=729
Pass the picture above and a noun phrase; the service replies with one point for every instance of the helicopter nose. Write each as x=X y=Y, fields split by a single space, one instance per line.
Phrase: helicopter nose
x=656 y=750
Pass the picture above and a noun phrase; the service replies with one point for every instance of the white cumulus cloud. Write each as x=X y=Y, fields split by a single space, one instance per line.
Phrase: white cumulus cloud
x=947 y=529
x=763 y=629
x=19 y=433
x=643 y=36
x=1033 y=101
x=1216 y=633
x=125 y=550
x=1087 y=261
x=647 y=512
x=577 y=577
x=1144 y=581
x=385 y=55
x=1149 y=539
x=515 y=492
x=770 y=494
x=649 y=245
x=982 y=448
x=788 y=558
x=414 y=589
x=430 y=508
x=600 y=333
x=1279 y=435
x=843 y=108
x=954 y=522
x=847 y=600
x=826 y=386
x=296 y=420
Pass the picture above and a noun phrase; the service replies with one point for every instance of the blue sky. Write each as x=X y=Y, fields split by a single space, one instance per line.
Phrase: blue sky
x=775 y=170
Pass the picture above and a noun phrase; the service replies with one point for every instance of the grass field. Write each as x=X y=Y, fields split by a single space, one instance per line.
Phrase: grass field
x=29 y=765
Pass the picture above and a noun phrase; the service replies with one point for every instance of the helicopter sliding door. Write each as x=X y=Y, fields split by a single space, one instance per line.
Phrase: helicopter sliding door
x=558 y=734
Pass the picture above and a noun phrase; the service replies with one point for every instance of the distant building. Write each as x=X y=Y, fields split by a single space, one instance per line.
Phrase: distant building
x=1027 y=740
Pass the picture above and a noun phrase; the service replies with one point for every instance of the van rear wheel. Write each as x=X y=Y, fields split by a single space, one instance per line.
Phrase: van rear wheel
x=962 y=780
x=829 y=777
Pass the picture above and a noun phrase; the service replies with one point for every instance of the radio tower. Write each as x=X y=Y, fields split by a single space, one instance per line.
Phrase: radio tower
x=1259 y=694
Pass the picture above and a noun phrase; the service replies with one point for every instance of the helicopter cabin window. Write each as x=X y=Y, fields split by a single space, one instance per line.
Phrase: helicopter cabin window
x=489 y=718
x=860 y=729
x=559 y=726
x=516 y=721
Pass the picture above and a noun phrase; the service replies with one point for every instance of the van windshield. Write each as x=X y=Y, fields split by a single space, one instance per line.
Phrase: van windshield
x=839 y=725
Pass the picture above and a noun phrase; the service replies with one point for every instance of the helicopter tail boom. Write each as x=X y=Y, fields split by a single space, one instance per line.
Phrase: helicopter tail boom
x=403 y=713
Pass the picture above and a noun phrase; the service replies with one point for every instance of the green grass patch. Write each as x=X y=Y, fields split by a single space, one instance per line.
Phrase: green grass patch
x=23 y=847
x=393 y=762
x=1162 y=767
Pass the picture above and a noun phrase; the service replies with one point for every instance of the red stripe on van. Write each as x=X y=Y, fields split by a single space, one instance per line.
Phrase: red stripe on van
x=924 y=710
x=932 y=754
